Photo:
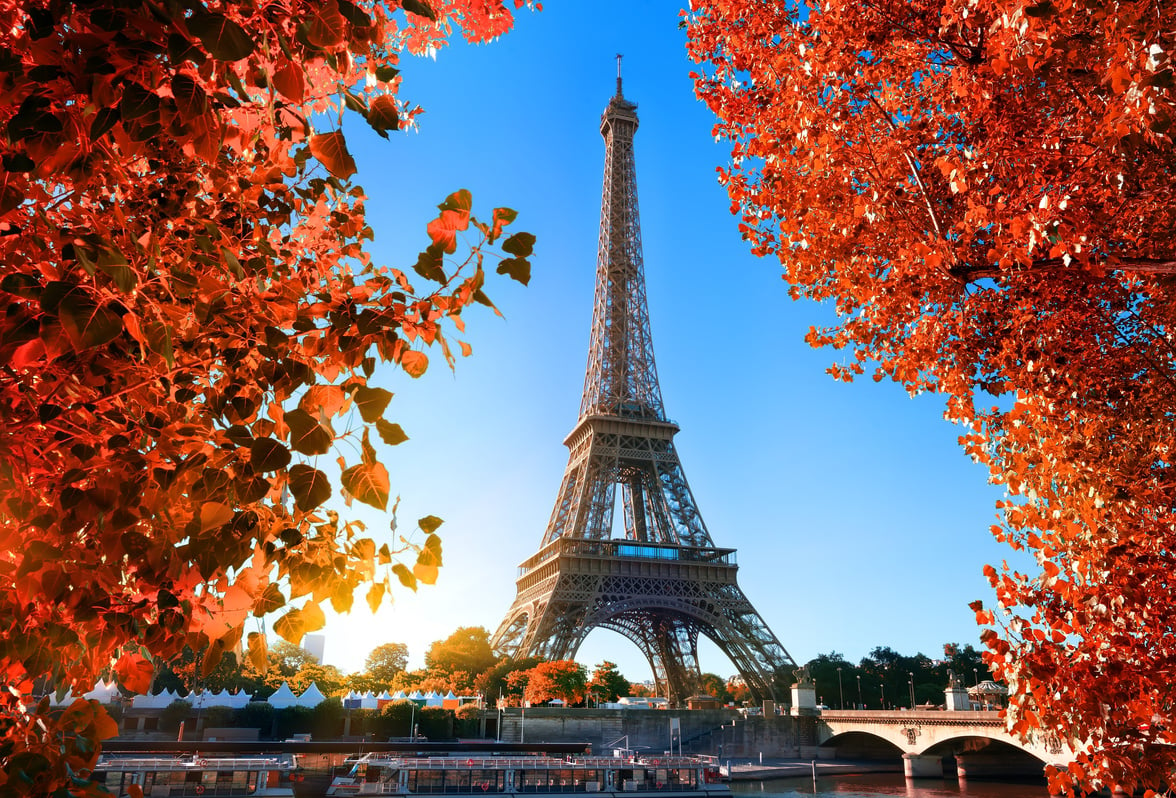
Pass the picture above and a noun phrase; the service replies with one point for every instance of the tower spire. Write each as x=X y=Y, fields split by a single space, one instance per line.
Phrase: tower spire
x=619 y=56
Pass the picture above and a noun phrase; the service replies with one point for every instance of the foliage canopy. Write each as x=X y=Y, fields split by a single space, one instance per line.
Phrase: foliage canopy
x=984 y=189
x=191 y=324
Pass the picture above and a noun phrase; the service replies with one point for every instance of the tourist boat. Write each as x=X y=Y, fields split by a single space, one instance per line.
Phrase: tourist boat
x=670 y=776
x=269 y=776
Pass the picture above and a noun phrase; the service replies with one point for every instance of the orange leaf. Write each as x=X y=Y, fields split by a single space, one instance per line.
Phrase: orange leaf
x=414 y=362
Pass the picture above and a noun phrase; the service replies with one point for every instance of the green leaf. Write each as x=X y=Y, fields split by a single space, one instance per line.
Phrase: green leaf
x=419 y=7
x=267 y=454
x=521 y=244
x=223 y=38
x=385 y=73
x=310 y=487
x=307 y=435
x=369 y=483
x=518 y=268
x=371 y=402
x=391 y=434
x=430 y=524
x=85 y=322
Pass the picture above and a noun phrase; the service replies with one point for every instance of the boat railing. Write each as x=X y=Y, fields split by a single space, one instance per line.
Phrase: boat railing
x=198 y=763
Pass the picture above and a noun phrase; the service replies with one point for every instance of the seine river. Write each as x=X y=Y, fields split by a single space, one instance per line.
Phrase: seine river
x=886 y=784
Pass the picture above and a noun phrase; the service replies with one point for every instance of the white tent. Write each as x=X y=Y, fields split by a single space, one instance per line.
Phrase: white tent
x=103 y=692
x=66 y=699
x=283 y=697
x=159 y=701
x=385 y=697
x=312 y=696
x=434 y=699
x=399 y=695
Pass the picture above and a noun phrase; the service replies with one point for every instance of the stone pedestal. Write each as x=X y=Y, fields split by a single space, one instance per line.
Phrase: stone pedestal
x=769 y=708
x=804 y=698
x=921 y=766
x=956 y=699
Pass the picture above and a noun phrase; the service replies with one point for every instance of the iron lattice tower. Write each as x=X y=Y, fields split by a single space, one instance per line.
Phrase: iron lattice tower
x=664 y=582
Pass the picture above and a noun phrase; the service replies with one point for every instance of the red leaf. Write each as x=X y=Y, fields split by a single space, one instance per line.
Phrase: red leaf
x=134 y=672
x=331 y=150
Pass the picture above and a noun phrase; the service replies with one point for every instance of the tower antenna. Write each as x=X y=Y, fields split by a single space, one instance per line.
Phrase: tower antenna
x=619 y=57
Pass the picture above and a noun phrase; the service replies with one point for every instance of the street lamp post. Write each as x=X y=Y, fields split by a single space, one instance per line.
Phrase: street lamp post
x=882 y=684
x=840 y=691
x=861 y=705
x=911 y=682
x=975 y=677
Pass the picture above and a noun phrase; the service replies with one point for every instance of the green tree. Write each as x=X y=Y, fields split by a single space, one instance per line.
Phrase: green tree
x=607 y=683
x=465 y=720
x=435 y=723
x=173 y=715
x=287 y=659
x=385 y=661
x=395 y=719
x=255 y=715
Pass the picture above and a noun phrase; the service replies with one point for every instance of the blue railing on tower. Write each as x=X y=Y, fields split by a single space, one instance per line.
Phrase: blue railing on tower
x=619 y=549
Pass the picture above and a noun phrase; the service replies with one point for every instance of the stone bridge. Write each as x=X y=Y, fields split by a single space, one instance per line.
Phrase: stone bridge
x=975 y=742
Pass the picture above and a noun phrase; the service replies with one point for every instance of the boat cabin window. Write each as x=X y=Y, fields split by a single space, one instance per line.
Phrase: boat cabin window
x=473 y=781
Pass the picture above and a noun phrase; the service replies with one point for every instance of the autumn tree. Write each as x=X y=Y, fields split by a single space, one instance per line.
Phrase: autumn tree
x=492 y=682
x=713 y=685
x=984 y=192
x=565 y=680
x=190 y=320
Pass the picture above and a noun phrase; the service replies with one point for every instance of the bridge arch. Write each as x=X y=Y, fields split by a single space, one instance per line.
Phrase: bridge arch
x=861 y=745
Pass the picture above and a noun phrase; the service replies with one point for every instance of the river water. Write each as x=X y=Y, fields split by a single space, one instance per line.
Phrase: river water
x=887 y=784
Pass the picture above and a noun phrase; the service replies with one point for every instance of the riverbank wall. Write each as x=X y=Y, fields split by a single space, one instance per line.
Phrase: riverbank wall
x=719 y=732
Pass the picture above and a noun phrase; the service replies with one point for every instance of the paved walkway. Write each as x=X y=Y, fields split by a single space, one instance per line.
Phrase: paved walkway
x=782 y=768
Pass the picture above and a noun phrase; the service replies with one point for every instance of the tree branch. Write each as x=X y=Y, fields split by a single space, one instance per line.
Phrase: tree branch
x=971 y=273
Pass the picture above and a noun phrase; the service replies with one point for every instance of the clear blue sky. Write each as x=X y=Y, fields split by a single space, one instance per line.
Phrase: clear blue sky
x=857 y=518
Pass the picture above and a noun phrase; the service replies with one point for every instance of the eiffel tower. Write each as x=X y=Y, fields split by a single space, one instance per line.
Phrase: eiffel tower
x=664 y=582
